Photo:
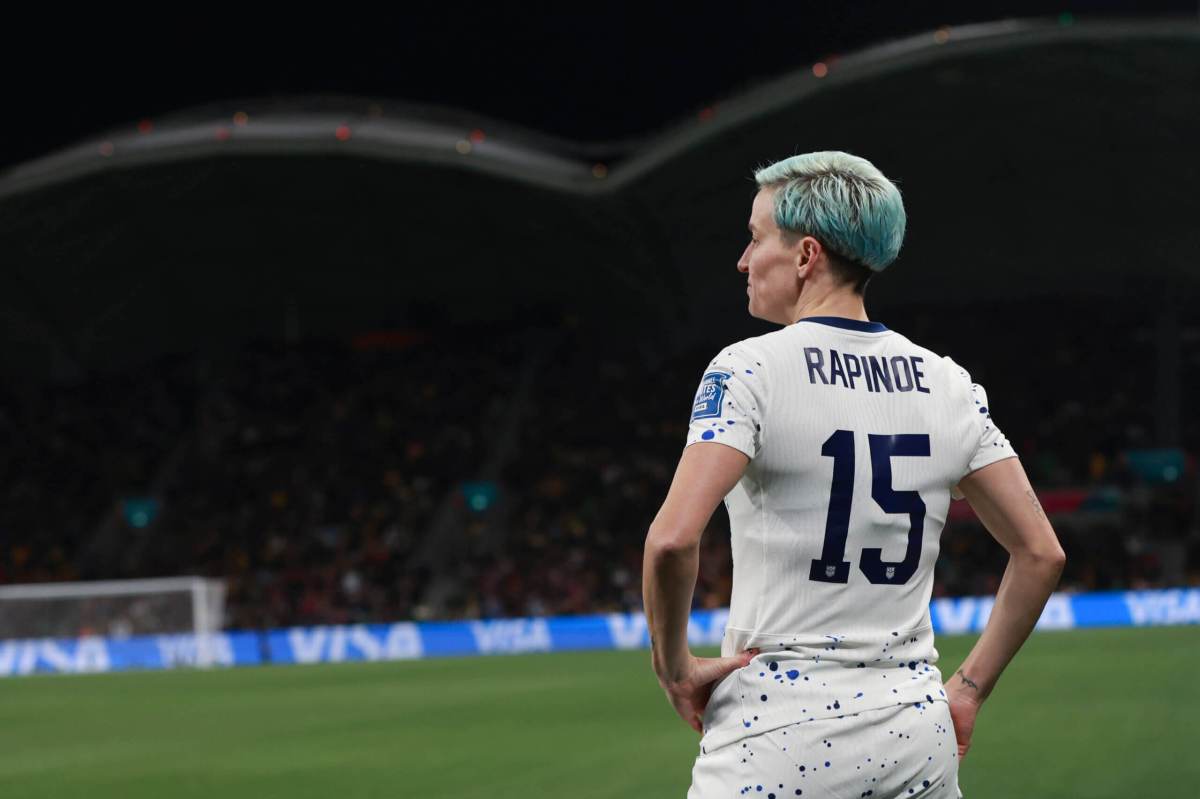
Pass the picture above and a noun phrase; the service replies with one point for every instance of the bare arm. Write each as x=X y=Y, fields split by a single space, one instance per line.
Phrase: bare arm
x=1005 y=502
x=706 y=473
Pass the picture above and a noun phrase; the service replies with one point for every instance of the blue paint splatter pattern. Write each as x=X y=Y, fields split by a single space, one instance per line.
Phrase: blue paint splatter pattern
x=887 y=752
x=993 y=445
x=829 y=677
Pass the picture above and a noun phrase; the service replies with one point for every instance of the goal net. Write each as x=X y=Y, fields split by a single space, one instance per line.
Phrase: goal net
x=112 y=608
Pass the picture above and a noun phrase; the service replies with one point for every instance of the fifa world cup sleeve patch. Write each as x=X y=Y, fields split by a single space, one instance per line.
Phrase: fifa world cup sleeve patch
x=708 y=397
x=729 y=403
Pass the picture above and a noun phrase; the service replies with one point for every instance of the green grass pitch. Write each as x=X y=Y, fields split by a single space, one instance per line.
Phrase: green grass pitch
x=1079 y=715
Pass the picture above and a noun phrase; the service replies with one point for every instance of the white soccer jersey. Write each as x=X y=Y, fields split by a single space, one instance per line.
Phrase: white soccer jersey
x=856 y=437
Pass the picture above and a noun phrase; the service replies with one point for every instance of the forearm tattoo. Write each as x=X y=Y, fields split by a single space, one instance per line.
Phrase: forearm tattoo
x=967 y=680
x=1037 y=506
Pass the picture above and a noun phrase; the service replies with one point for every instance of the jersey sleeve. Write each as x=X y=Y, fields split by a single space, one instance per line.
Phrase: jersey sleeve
x=728 y=406
x=988 y=444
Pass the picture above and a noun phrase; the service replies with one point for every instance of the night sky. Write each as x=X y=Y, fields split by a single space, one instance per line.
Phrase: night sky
x=601 y=76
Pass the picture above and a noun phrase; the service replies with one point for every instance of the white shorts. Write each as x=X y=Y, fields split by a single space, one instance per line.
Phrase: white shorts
x=901 y=751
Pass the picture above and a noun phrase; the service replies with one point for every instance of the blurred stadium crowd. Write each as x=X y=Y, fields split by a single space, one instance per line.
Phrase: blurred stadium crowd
x=501 y=471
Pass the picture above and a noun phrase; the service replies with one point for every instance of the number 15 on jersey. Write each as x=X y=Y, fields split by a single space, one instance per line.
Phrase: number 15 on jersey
x=832 y=567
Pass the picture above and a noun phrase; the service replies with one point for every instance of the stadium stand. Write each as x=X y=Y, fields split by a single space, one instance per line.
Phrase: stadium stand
x=328 y=481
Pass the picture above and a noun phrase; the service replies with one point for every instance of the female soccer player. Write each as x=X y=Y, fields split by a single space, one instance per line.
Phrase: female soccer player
x=836 y=445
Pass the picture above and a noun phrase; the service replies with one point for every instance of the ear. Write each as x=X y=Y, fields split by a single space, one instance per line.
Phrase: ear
x=806 y=256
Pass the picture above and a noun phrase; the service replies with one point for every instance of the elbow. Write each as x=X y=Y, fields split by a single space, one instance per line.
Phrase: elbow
x=1059 y=561
x=1053 y=555
x=668 y=545
x=1054 y=561
x=1050 y=558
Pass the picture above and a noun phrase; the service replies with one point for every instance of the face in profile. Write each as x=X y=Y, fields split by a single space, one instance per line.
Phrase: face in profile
x=769 y=264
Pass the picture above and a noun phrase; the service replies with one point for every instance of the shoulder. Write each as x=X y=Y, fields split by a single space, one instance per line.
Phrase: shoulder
x=928 y=355
x=748 y=353
x=762 y=349
x=954 y=371
x=966 y=389
x=948 y=372
x=744 y=367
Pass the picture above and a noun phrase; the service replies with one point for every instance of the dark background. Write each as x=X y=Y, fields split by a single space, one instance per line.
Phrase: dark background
x=598 y=74
x=296 y=371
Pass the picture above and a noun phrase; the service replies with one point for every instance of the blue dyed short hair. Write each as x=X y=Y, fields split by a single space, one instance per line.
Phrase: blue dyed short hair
x=842 y=201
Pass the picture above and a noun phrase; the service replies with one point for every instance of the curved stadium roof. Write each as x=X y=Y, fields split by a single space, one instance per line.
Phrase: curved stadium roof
x=1034 y=158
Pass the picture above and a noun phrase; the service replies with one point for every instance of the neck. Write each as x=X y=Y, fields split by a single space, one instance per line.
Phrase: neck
x=845 y=304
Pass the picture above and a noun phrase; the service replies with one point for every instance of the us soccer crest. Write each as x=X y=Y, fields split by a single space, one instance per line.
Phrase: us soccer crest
x=890 y=572
x=708 y=397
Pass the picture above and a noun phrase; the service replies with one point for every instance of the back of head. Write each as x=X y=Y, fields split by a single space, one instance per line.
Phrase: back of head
x=841 y=200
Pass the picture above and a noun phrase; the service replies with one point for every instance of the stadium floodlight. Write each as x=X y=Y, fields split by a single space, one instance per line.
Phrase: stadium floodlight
x=116 y=609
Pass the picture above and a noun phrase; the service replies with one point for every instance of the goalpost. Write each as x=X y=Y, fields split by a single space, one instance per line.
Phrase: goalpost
x=116 y=609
